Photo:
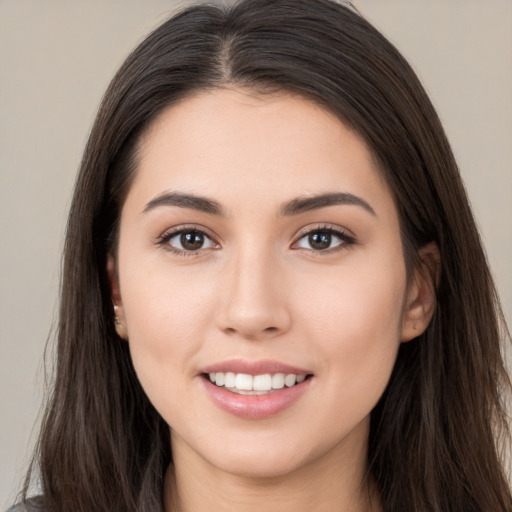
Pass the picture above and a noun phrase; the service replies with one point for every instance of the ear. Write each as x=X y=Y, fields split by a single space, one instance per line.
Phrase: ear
x=119 y=316
x=421 y=299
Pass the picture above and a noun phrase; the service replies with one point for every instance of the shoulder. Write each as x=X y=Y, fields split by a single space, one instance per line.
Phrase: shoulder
x=31 y=505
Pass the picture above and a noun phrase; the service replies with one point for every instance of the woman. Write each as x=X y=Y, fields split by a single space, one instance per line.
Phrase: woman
x=274 y=293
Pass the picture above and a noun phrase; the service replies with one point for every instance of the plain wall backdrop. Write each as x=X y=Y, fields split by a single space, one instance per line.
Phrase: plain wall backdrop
x=56 y=59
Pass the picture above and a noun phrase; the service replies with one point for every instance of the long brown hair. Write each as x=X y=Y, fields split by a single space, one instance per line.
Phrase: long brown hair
x=436 y=433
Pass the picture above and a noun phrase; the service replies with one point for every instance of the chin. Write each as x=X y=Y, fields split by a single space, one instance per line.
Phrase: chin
x=262 y=460
x=259 y=468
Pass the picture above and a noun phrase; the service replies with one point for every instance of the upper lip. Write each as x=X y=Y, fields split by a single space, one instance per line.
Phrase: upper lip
x=259 y=367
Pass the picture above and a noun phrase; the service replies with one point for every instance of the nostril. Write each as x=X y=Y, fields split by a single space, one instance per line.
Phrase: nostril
x=252 y=333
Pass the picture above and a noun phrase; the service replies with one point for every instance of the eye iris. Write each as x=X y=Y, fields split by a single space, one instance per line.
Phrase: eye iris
x=319 y=240
x=192 y=241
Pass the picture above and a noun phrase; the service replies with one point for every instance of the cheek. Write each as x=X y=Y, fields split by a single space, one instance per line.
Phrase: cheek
x=166 y=315
x=356 y=324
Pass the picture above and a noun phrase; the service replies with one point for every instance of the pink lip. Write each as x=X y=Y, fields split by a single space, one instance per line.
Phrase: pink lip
x=254 y=407
x=253 y=367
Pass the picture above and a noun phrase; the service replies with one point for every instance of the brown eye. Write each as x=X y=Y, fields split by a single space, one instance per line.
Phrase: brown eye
x=319 y=240
x=187 y=241
x=192 y=241
x=324 y=240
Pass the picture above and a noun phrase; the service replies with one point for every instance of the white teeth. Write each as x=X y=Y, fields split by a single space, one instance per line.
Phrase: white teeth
x=255 y=385
x=278 y=381
x=229 y=380
x=289 y=380
x=262 y=382
x=243 y=381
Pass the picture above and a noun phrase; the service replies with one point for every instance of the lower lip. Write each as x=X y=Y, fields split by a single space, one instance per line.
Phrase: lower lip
x=255 y=407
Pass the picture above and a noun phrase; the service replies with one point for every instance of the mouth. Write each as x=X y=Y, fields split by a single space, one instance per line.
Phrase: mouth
x=257 y=389
x=255 y=385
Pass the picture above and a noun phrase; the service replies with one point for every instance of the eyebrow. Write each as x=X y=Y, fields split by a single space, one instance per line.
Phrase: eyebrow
x=304 y=204
x=293 y=207
x=202 y=204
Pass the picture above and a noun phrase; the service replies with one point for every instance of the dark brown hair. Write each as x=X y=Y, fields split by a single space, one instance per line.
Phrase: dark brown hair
x=435 y=436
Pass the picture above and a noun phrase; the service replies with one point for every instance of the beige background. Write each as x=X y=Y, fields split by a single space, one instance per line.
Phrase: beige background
x=56 y=58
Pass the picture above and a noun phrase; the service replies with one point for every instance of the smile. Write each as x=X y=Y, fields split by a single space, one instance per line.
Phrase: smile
x=245 y=384
x=255 y=390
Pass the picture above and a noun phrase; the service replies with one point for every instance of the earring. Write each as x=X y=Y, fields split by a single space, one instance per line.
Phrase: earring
x=120 y=328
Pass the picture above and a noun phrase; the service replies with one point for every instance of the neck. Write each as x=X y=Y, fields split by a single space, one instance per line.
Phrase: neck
x=332 y=483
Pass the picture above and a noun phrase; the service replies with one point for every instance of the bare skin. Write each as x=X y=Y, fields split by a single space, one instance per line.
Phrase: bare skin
x=255 y=271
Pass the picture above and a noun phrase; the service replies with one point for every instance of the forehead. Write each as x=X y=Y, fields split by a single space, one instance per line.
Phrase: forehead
x=236 y=144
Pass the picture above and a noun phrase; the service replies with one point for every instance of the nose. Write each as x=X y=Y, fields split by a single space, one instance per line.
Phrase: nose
x=253 y=301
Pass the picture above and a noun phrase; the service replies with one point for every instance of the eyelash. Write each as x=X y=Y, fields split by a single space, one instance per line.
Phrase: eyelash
x=346 y=240
x=166 y=237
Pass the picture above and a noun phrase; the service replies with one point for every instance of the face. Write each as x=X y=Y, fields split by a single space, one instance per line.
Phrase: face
x=259 y=244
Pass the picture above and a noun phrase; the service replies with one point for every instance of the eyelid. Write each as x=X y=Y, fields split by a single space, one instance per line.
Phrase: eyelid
x=170 y=233
x=347 y=238
x=325 y=226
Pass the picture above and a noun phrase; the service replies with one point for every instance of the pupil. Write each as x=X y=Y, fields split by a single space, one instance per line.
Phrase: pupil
x=320 y=240
x=192 y=241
